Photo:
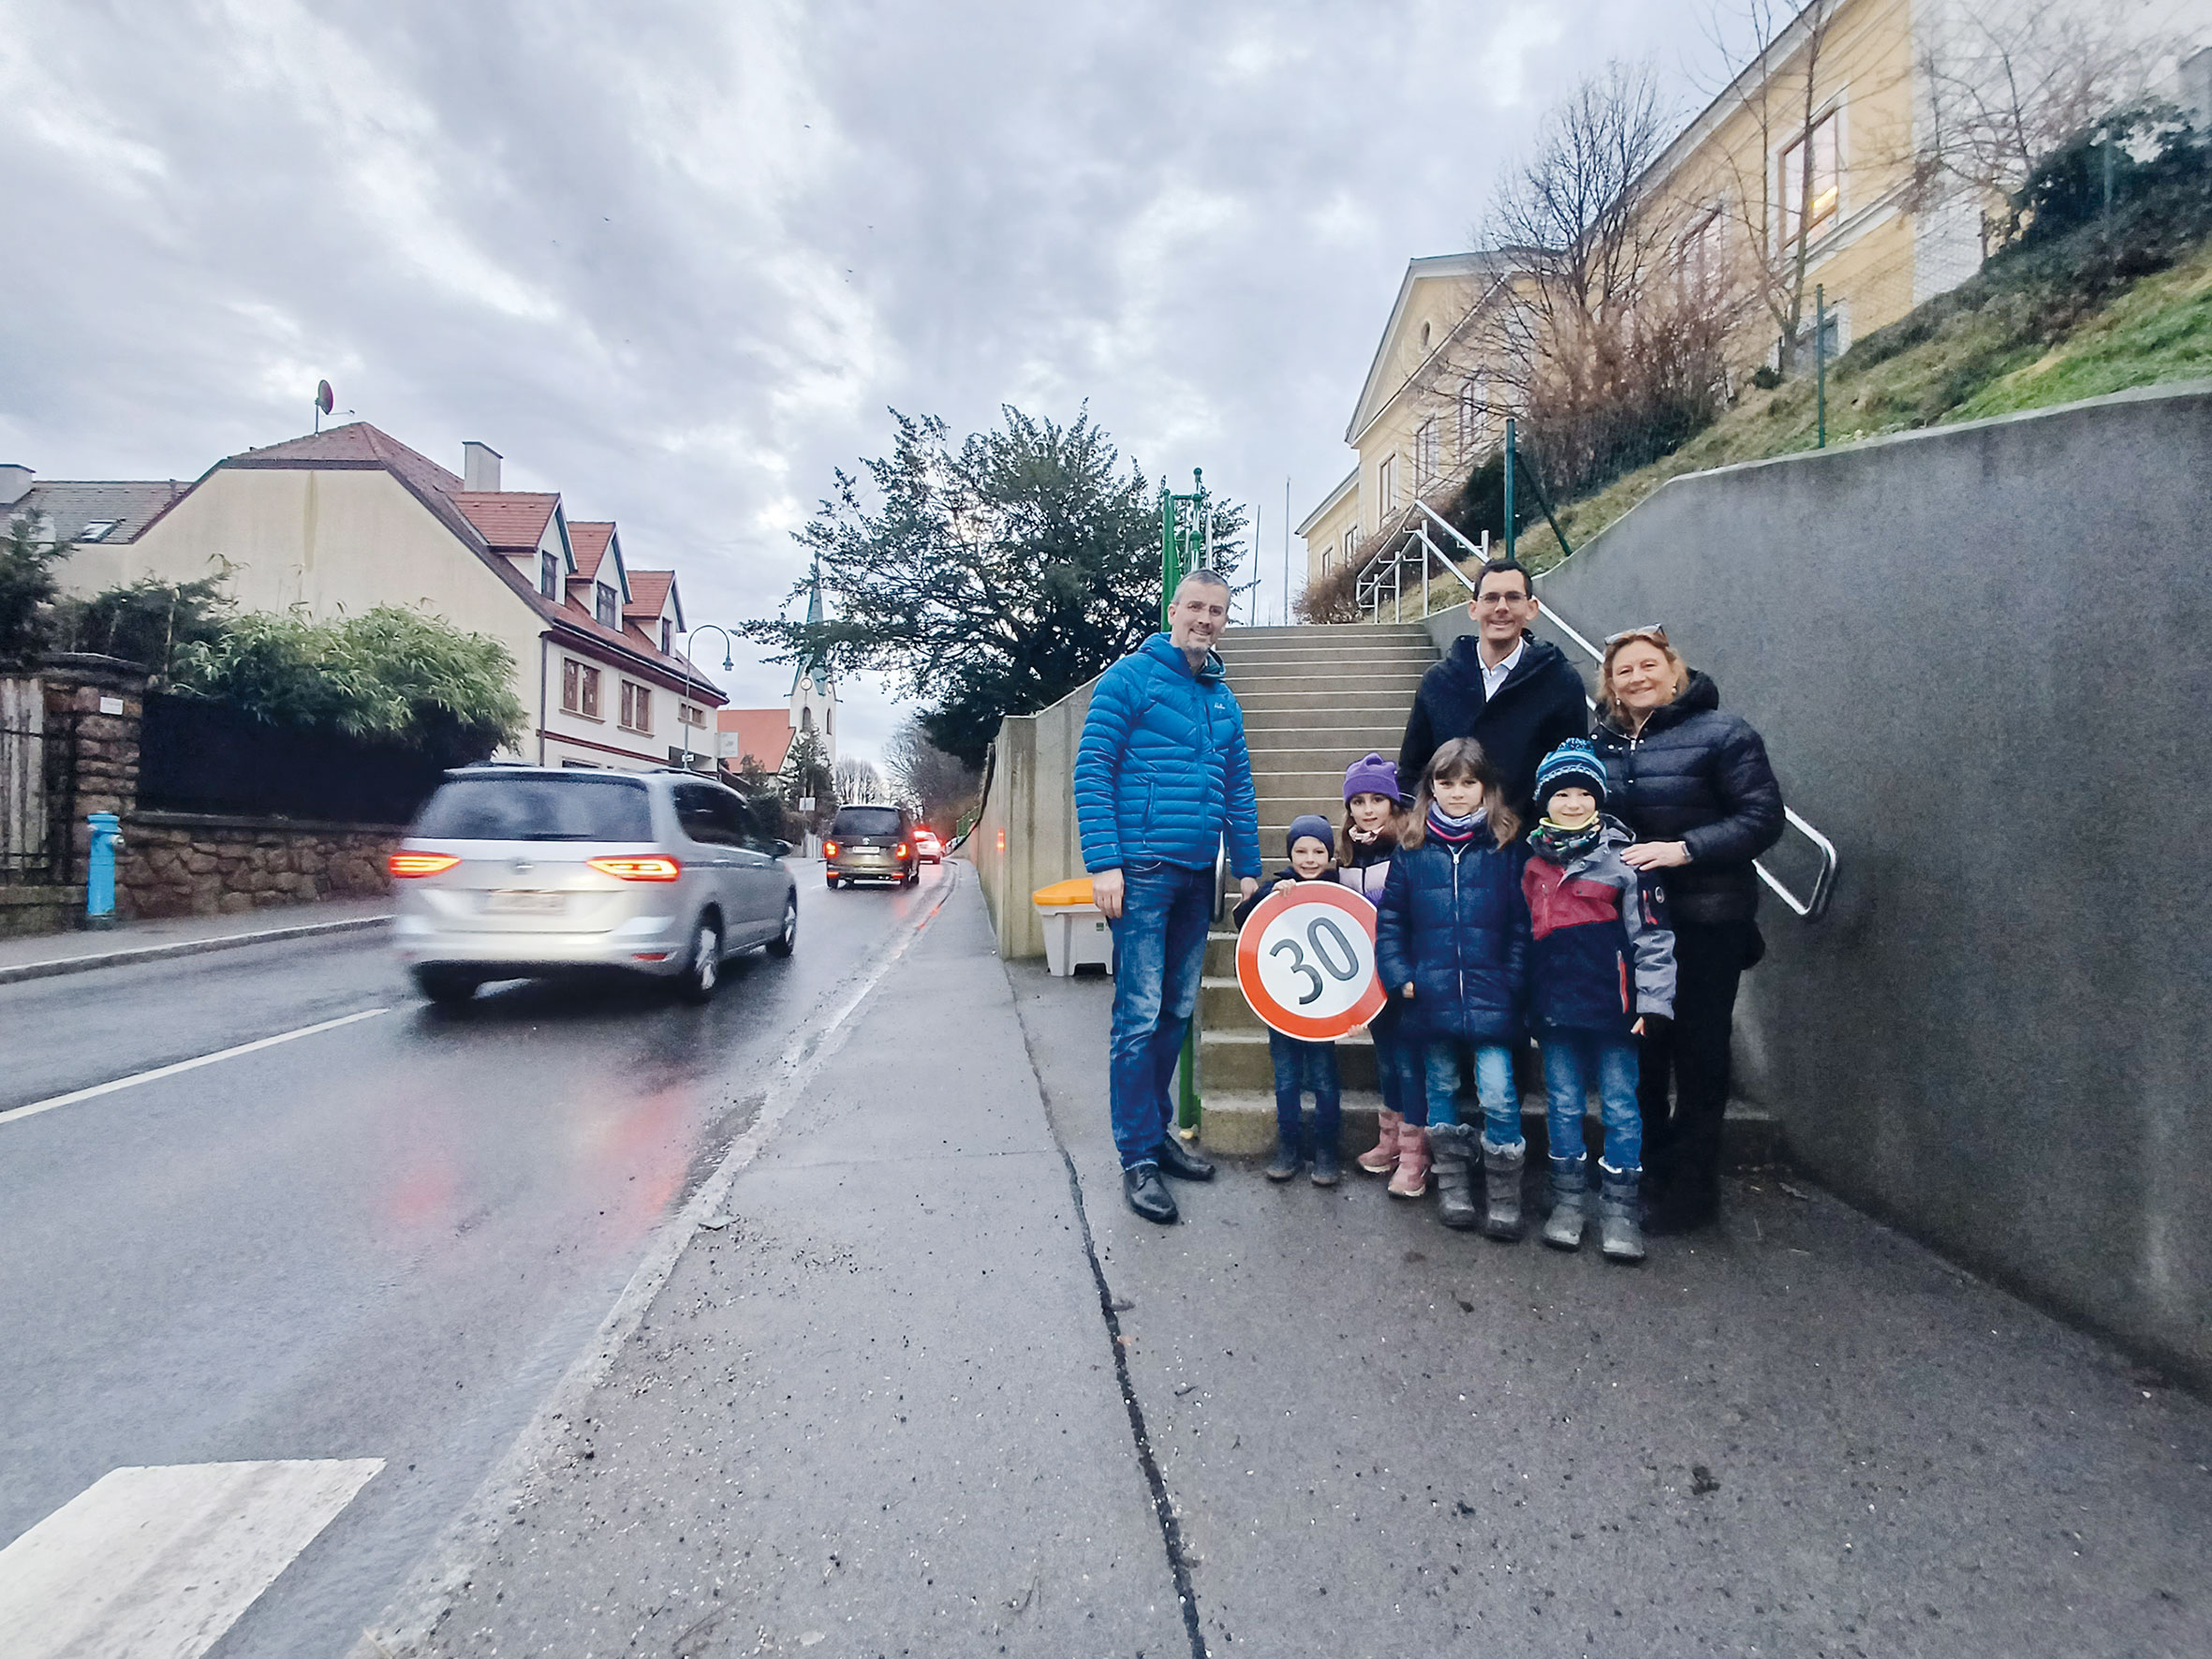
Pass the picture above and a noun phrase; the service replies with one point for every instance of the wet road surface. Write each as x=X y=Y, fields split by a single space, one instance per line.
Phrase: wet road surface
x=382 y=1241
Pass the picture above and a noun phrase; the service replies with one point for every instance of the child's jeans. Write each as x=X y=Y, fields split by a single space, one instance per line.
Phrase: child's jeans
x=1494 y=1087
x=1569 y=1059
x=1397 y=1067
x=1299 y=1066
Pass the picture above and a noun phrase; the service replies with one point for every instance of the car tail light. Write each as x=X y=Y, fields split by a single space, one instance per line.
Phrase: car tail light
x=651 y=868
x=900 y=850
x=420 y=864
x=829 y=848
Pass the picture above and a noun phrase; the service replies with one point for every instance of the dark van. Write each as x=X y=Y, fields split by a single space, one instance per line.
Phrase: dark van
x=871 y=844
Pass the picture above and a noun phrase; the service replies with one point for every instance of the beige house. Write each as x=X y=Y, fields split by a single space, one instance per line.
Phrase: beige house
x=1822 y=135
x=350 y=519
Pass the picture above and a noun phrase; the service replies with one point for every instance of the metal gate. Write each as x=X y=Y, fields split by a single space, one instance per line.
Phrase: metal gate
x=36 y=787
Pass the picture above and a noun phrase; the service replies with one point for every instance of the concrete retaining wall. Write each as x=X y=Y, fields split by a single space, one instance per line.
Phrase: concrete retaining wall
x=1026 y=835
x=1979 y=657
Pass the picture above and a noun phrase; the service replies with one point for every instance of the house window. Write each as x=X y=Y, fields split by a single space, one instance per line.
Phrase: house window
x=97 y=531
x=668 y=635
x=1352 y=539
x=637 y=706
x=1474 y=419
x=1808 y=205
x=580 y=688
x=549 y=575
x=1328 y=558
x=690 y=714
x=1386 y=484
x=1702 y=250
x=1427 y=465
x=605 y=597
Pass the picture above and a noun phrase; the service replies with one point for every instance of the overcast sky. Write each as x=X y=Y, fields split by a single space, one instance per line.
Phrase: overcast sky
x=674 y=259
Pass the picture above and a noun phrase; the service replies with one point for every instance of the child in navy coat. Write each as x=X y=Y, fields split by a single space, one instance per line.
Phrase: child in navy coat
x=1451 y=946
x=1601 y=968
x=1301 y=1065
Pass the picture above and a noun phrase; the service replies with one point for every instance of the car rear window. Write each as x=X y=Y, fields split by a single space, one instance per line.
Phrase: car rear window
x=866 y=821
x=537 y=810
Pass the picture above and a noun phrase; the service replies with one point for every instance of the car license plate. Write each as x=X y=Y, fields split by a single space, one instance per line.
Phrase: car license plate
x=535 y=904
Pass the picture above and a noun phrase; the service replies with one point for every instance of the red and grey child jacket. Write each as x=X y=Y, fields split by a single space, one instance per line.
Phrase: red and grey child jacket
x=1601 y=953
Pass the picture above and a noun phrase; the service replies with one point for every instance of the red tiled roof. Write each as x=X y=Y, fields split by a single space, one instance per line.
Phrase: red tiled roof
x=648 y=590
x=588 y=540
x=510 y=521
x=765 y=734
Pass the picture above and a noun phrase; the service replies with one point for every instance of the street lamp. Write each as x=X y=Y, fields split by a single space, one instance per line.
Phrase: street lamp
x=689 y=635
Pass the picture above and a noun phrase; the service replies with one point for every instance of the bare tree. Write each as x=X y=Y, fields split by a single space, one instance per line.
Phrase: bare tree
x=2007 y=84
x=858 y=783
x=938 y=786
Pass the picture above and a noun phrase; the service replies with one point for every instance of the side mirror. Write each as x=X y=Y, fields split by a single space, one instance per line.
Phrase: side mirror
x=783 y=849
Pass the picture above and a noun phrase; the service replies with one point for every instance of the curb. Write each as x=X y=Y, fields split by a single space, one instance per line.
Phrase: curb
x=183 y=947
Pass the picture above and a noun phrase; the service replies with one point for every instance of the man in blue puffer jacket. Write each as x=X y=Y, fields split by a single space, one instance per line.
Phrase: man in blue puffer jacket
x=1161 y=776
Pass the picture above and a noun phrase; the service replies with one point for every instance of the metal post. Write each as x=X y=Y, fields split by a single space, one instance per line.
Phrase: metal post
x=99 y=870
x=1427 y=551
x=1286 y=553
x=1167 y=554
x=1821 y=362
x=1511 y=451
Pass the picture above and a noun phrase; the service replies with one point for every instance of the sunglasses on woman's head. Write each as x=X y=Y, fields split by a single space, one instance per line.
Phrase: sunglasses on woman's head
x=1652 y=631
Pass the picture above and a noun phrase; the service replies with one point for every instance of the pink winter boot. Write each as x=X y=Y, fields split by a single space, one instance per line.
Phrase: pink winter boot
x=1383 y=1157
x=1412 y=1181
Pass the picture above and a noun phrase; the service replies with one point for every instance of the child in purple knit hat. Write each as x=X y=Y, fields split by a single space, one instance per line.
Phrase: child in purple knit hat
x=1373 y=813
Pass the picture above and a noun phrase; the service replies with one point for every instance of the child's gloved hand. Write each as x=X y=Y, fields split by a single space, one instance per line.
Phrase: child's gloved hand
x=1651 y=1025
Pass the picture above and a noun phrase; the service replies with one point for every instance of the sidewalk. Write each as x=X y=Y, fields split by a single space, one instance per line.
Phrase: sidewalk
x=880 y=1413
x=41 y=956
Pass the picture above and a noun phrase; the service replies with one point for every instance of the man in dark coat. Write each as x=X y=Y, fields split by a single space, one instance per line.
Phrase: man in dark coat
x=1512 y=692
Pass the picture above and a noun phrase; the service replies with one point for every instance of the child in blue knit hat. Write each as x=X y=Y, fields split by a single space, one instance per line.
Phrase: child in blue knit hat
x=1601 y=965
x=1301 y=1065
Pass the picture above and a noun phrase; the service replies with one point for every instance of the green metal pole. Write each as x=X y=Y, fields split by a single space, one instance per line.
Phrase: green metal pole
x=1820 y=361
x=1167 y=554
x=1511 y=465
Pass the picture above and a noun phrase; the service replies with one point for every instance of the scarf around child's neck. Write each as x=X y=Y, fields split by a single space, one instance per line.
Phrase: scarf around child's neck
x=1445 y=828
x=1563 y=846
x=1369 y=845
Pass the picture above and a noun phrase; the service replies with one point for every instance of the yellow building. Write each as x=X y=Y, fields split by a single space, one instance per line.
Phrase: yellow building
x=344 y=521
x=1816 y=142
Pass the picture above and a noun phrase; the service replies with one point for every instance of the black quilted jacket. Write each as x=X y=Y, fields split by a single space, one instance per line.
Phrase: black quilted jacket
x=1699 y=776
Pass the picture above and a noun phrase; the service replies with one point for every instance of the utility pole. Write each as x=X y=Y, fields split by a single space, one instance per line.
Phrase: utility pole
x=1512 y=460
x=1286 y=553
x=1820 y=364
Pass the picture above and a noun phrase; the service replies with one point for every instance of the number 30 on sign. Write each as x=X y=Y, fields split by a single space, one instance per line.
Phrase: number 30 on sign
x=1305 y=959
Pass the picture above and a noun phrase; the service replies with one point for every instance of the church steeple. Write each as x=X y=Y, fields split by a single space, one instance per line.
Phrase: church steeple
x=814 y=693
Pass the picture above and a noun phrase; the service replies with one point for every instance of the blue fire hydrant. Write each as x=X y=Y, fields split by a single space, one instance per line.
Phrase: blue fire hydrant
x=99 y=872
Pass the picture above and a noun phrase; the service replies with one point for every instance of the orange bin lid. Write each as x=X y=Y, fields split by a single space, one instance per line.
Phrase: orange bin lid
x=1063 y=893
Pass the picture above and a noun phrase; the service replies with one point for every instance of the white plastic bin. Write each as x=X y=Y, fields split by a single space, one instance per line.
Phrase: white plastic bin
x=1074 y=932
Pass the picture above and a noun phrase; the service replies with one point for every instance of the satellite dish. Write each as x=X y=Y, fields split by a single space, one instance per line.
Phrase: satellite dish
x=324 y=398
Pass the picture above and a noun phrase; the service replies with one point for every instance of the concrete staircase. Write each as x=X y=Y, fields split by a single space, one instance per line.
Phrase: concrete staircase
x=1315 y=700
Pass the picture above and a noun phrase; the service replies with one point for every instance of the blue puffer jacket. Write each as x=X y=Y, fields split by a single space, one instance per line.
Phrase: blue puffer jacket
x=1161 y=773
x=1454 y=923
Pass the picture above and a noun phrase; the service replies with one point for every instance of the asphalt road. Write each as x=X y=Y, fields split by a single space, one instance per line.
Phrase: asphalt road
x=383 y=1240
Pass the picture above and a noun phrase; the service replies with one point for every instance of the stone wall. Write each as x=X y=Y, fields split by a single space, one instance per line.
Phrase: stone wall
x=190 y=864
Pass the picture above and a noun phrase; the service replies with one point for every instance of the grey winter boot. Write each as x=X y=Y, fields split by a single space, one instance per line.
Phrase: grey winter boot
x=1619 y=1234
x=1451 y=1160
x=1501 y=1168
x=1569 y=1183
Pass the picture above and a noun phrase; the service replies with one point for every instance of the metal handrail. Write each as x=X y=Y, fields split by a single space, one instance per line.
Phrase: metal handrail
x=1815 y=904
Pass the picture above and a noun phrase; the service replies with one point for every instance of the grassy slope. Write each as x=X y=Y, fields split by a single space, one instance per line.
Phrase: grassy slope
x=1989 y=360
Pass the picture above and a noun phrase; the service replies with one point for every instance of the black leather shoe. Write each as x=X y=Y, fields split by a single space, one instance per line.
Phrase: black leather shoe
x=1179 y=1160
x=1681 y=1210
x=1147 y=1193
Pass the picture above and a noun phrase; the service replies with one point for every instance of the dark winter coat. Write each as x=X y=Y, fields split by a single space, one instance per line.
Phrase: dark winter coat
x=1161 y=771
x=1284 y=877
x=1369 y=869
x=1540 y=706
x=1453 y=923
x=1601 y=955
x=1699 y=776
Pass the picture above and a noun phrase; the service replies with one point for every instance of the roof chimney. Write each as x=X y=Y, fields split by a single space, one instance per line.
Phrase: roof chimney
x=479 y=465
x=15 y=483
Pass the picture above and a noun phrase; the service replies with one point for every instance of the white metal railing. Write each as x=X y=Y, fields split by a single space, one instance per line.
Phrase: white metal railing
x=1368 y=593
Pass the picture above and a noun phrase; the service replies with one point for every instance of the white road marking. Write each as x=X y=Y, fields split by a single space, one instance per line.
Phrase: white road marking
x=157 y=1564
x=184 y=1065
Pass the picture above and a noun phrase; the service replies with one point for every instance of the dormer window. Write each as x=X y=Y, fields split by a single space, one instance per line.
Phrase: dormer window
x=549 y=575
x=606 y=605
x=97 y=531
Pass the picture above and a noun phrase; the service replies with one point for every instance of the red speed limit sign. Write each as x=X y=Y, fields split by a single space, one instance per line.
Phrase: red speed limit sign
x=1305 y=959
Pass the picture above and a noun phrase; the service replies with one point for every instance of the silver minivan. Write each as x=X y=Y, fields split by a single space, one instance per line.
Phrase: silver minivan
x=524 y=872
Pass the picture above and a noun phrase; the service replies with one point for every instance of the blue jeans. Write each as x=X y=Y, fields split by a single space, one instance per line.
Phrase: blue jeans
x=1494 y=1087
x=1160 y=950
x=1299 y=1066
x=1570 y=1057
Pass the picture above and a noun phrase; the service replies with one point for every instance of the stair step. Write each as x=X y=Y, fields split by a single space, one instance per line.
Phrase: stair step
x=1237 y=1060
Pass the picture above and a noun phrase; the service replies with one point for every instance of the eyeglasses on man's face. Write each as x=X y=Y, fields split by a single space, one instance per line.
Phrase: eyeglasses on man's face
x=1503 y=597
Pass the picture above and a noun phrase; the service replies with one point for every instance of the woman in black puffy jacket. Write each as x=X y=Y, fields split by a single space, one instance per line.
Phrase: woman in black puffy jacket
x=1694 y=786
